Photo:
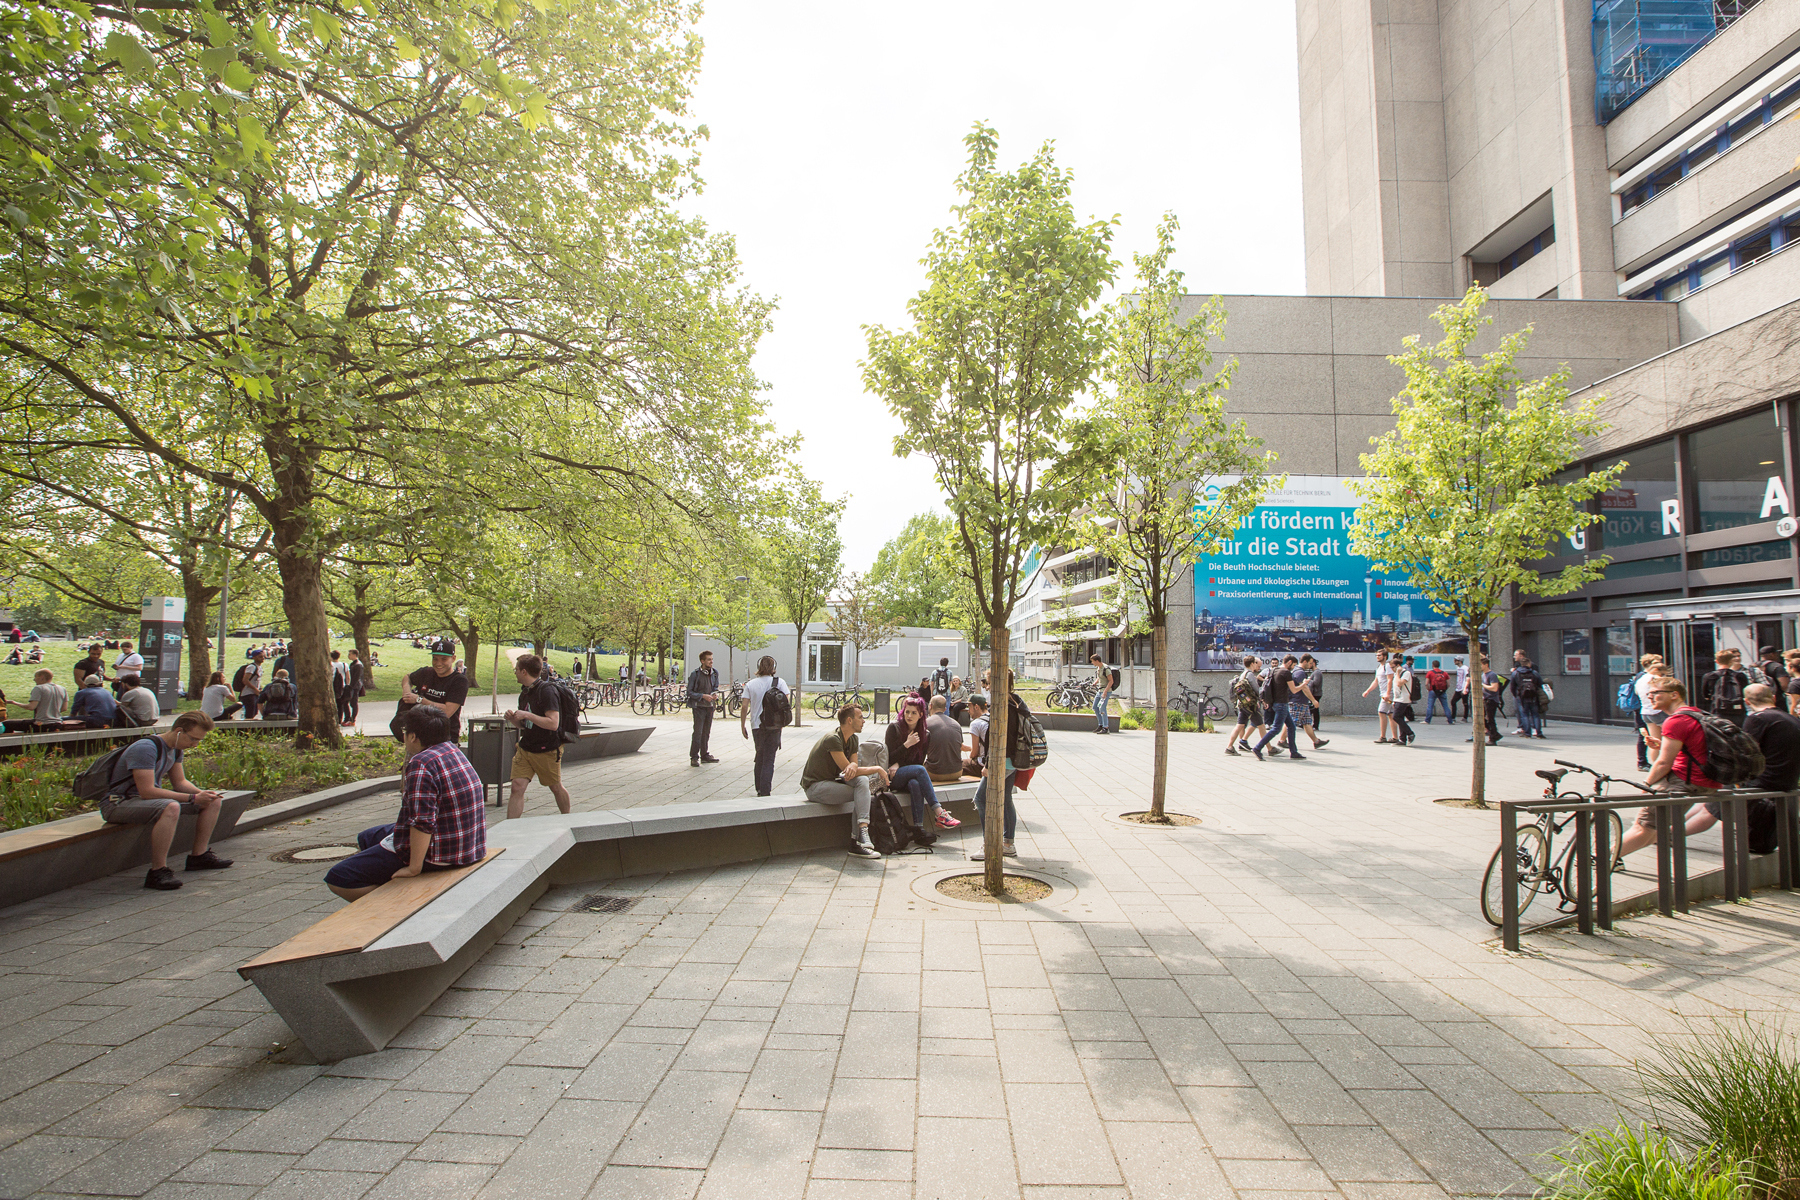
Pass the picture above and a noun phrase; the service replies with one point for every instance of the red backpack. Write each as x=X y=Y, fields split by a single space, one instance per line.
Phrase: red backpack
x=1437 y=680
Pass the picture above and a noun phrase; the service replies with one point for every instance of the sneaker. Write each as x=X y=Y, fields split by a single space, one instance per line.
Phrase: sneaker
x=1244 y=744
x=1322 y=742
x=1008 y=850
x=946 y=821
x=693 y=762
x=1301 y=757
x=161 y=879
x=207 y=862
x=707 y=758
x=1232 y=750
x=862 y=849
x=1258 y=753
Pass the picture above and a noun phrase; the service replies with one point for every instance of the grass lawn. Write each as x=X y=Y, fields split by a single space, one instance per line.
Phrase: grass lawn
x=397 y=656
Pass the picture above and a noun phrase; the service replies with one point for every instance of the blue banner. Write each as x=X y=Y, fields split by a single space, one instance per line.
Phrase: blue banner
x=1288 y=584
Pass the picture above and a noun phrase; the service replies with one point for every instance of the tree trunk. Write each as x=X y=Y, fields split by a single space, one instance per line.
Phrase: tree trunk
x=471 y=644
x=303 y=604
x=193 y=627
x=662 y=659
x=1159 y=672
x=360 y=624
x=799 y=653
x=993 y=827
x=1477 y=721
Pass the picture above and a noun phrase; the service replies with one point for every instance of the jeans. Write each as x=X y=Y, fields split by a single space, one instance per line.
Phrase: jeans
x=1100 y=721
x=833 y=791
x=1403 y=714
x=1435 y=701
x=767 y=741
x=250 y=700
x=1529 y=720
x=1460 y=698
x=917 y=780
x=703 y=719
x=1278 y=721
x=1643 y=747
x=1011 y=816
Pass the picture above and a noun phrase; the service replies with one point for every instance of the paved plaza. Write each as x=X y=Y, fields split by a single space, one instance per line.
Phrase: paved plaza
x=1296 y=998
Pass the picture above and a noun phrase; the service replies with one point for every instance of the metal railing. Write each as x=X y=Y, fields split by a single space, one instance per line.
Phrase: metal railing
x=1593 y=898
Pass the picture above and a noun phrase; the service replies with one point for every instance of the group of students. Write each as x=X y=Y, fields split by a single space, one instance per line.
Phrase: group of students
x=120 y=701
x=1273 y=699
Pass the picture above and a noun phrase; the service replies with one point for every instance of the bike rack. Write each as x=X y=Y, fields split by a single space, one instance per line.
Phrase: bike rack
x=1593 y=887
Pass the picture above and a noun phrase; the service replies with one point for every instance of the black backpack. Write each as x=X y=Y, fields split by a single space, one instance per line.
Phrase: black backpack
x=237 y=680
x=96 y=780
x=891 y=827
x=1115 y=678
x=1526 y=686
x=570 y=727
x=1732 y=755
x=1416 y=691
x=777 y=708
x=1727 y=694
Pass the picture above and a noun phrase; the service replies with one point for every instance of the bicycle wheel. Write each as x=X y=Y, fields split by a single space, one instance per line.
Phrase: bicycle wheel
x=1534 y=861
x=824 y=706
x=1215 y=708
x=644 y=705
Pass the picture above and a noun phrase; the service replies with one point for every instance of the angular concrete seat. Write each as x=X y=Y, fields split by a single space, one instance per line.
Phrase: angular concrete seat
x=347 y=984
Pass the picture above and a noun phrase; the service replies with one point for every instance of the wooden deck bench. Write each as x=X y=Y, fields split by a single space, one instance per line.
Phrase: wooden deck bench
x=41 y=859
x=350 y=983
x=91 y=741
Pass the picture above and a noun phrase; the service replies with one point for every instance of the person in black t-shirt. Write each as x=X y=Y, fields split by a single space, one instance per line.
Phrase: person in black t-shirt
x=1281 y=685
x=1777 y=734
x=1769 y=662
x=539 y=753
x=1722 y=690
x=438 y=686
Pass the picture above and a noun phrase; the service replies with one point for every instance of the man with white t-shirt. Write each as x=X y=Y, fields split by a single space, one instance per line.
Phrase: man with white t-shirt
x=750 y=721
x=1461 y=695
x=1385 y=704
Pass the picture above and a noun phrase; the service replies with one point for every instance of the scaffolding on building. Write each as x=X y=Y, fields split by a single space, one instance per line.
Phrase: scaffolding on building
x=1637 y=42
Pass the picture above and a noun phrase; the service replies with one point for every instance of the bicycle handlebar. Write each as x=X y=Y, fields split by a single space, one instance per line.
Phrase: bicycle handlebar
x=1563 y=762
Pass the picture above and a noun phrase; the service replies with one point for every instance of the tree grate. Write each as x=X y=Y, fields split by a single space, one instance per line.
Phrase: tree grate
x=603 y=904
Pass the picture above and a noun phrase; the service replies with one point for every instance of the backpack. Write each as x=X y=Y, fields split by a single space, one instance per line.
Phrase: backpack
x=568 y=710
x=237 y=680
x=1727 y=693
x=891 y=827
x=1732 y=756
x=940 y=680
x=1115 y=678
x=1436 y=680
x=96 y=780
x=1415 y=692
x=1027 y=745
x=777 y=708
x=1628 y=699
x=1244 y=690
x=1526 y=687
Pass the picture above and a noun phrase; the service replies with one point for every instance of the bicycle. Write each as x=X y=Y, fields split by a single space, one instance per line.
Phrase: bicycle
x=661 y=699
x=826 y=704
x=1072 y=694
x=1203 y=701
x=1537 y=849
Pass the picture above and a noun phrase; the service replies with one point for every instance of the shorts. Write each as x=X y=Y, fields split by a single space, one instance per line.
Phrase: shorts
x=1386 y=706
x=1249 y=712
x=1646 y=818
x=546 y=765
x=135 y=810
x=1300 y=713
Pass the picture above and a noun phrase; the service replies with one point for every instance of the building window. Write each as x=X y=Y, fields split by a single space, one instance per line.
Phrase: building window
x=1737 y=556
x=1665 y=565
x=1637 y=509
x=1491 y=272
x=1140 y=650
x=1736 y=468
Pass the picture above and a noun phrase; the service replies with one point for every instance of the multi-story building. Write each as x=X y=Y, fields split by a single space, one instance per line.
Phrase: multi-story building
x=1620 y=174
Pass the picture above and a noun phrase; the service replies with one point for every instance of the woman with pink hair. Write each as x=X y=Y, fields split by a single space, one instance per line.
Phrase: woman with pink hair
x=906 y=761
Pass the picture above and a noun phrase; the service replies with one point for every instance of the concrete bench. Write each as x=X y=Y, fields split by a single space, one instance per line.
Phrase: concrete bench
x=343 y=996
x=41 y=859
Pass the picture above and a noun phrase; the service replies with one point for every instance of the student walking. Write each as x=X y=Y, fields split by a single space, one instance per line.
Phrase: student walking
x=1461 y=695
x=1281 y=686
x=1384 y=706
x=762 y=720
x=1303 y=703
x=540 y=748
x=1437 y=689
x=355 y=681
x=1246 y=693
x=702 y=695
x=1103 y=692
x=1528 y=695
x=1400 y=682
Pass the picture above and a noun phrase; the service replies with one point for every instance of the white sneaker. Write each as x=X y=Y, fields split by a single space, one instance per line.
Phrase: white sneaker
x=1008 y=850
x=863 y=849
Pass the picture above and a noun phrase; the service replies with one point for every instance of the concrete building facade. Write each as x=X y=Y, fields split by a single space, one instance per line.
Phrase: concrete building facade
x=1640 y=213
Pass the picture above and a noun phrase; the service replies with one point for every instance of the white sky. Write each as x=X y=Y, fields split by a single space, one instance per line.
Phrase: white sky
x=837 y=136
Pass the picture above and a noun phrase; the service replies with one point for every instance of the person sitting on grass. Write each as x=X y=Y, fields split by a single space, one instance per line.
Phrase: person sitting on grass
x=442 y=823
x=908 y=739
x=94 y=705
x=47 y=699
x=135 y=796
x=833 y=776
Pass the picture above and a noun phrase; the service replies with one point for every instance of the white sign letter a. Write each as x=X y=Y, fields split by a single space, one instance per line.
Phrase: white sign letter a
x=1775 y=496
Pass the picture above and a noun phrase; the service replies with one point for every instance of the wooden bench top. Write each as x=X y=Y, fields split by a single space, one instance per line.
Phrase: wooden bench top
x=17 y=843
x=364 y=921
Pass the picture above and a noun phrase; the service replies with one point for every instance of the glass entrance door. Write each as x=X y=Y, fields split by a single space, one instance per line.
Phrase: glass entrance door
x=824 y=662
x=1698 y=642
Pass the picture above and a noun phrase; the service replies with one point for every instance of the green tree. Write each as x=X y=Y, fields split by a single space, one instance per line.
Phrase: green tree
x=1462 y=496
x=861 y=617
x=443 y=240
x=1002 y=340
x=1168 y=476
x=739 y=623
x=803 y=562
x=916 y=571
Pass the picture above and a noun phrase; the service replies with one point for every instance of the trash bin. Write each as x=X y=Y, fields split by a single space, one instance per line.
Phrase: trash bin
x=490 y=752
x=884 y=703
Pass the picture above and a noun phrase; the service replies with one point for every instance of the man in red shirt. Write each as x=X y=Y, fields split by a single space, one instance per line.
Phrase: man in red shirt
x=1680 y=756
x=442 y=822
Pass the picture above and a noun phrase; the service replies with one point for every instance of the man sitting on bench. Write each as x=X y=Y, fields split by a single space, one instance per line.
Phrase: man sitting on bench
x=442 y=823
x=137 y=798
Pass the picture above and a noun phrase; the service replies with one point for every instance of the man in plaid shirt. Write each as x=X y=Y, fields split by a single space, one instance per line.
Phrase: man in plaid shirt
x=443 y=814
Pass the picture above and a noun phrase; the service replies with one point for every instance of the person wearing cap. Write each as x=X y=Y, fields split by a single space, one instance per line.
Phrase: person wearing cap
x=440 y=687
